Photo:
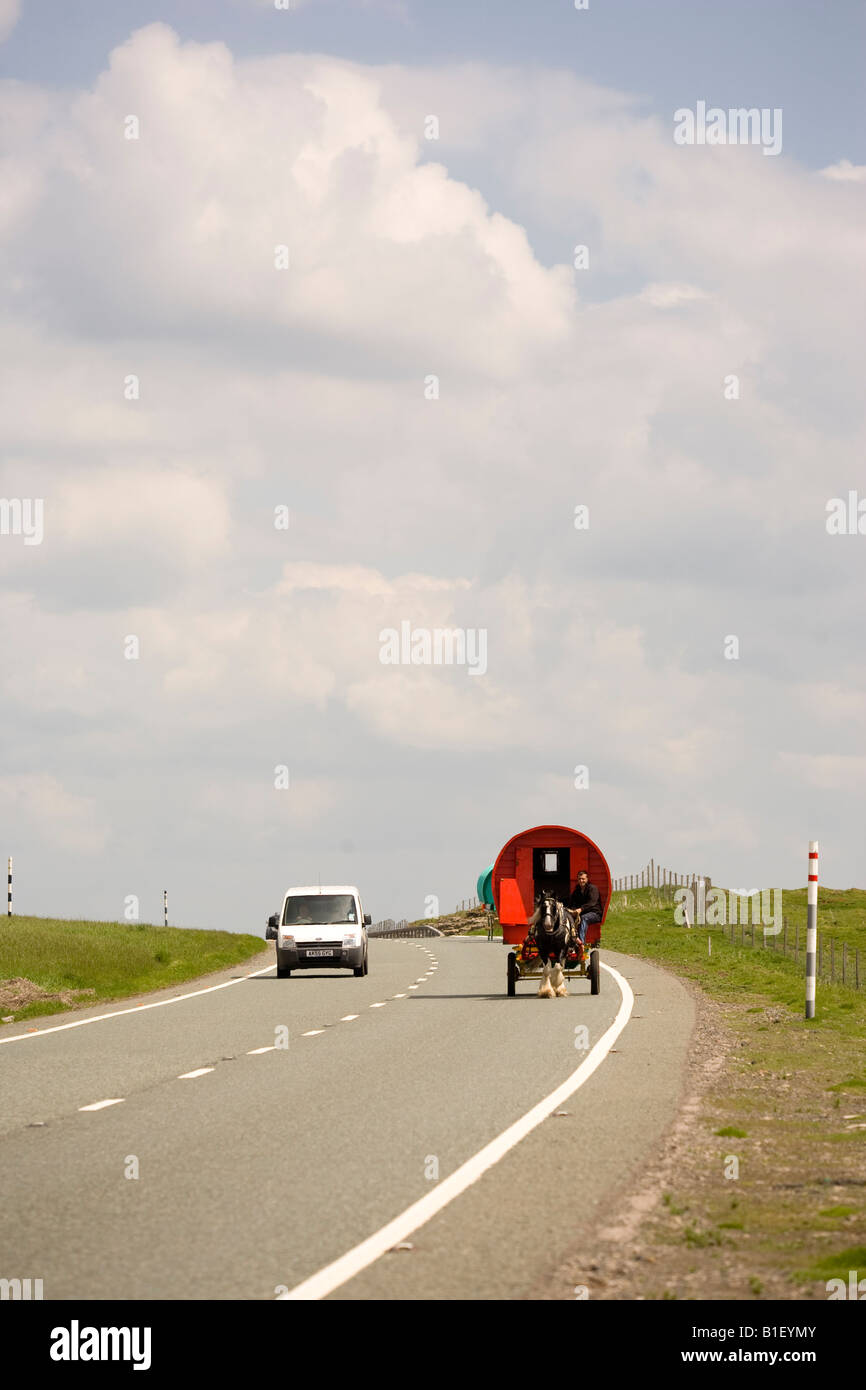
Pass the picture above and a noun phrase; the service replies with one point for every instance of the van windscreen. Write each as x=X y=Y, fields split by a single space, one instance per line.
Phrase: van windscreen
x=320 y=910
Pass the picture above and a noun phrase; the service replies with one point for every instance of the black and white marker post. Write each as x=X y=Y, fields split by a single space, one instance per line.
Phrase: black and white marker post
x=165 y=907
x=811 y=928
x=9 y=887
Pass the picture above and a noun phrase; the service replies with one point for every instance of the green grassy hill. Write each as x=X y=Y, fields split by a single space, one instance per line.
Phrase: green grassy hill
x=48 y=965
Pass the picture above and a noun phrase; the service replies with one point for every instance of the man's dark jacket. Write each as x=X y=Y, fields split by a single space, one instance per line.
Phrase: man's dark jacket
x=587 y=899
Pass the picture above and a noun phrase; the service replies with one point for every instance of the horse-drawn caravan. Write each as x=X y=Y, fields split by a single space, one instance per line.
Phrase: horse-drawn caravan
x=534 y=876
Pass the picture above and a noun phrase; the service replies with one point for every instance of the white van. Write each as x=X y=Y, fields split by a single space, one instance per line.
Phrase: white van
x=320 y=927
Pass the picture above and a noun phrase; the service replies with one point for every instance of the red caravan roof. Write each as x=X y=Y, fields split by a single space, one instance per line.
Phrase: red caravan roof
x=513 y=880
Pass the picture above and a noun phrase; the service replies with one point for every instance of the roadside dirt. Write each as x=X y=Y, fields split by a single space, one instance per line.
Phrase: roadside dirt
x=17 y=992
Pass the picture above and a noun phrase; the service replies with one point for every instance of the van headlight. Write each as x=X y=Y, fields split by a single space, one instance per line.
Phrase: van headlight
x=351 y=938
x=286 y=940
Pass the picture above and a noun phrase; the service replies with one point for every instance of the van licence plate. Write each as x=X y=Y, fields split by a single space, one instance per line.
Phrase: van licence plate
x=319 y=953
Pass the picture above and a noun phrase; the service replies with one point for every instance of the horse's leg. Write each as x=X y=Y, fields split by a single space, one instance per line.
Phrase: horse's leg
x=545 y=989
x=558 y=980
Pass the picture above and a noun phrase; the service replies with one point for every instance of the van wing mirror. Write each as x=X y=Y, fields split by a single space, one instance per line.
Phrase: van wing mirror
x=273 y=923
x=367 y=919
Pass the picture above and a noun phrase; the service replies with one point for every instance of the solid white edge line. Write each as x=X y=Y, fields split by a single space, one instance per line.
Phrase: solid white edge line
x=136 y=1008
x=332 y=1276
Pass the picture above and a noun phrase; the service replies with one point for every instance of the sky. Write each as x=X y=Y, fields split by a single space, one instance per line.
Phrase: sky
x=370 y=318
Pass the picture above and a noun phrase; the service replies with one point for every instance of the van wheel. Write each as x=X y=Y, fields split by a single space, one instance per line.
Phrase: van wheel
x=357 y=971
x=283 y=972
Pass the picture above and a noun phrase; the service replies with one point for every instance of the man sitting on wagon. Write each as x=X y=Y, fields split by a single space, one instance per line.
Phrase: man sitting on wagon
x=585 y=904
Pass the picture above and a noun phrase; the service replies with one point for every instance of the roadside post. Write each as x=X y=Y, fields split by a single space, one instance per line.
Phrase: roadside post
x=9 y=887
x=811 y=928
x=165 y=907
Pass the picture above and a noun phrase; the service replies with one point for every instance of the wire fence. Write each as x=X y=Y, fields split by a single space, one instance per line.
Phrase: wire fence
x=837 y=961
x=653 y=875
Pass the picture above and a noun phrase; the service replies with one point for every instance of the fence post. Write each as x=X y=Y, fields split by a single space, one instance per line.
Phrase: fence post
x=811 y=927
x=832 y=961
x=844 y=954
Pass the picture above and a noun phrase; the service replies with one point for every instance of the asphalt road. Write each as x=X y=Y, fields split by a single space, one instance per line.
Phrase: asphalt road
x=257 y=1173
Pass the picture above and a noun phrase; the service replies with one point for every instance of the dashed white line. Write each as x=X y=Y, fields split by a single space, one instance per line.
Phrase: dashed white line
x=101 y=1104
x=255 y=1051
x=313 y=1033
x=190 y=1075
x=348 y=1018
x=378 y=1006
x=398 y=996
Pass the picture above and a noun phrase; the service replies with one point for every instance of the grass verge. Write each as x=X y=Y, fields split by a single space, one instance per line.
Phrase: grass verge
x=48 y=965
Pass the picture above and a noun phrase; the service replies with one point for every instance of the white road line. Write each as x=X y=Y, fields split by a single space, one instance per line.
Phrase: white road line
x=190 y=1075
x=398 y=996
x=313 y=1033
x=322 y=1283
x=136 y=1008
x=256 y=1051
x=347 y=1018
x=101 y=1104
x=379 y=1006
x=413 y=986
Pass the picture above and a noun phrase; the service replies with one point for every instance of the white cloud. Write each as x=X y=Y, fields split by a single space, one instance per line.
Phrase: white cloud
x=10 y=13
x=39 y=807
x=427 y=275
x=671 y=296
x=836 y=772
x=845 y=172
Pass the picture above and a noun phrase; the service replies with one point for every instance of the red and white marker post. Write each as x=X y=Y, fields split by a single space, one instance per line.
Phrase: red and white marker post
x=811 y=928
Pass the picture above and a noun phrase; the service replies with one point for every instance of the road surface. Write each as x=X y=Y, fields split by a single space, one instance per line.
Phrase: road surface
x=260 y=1165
